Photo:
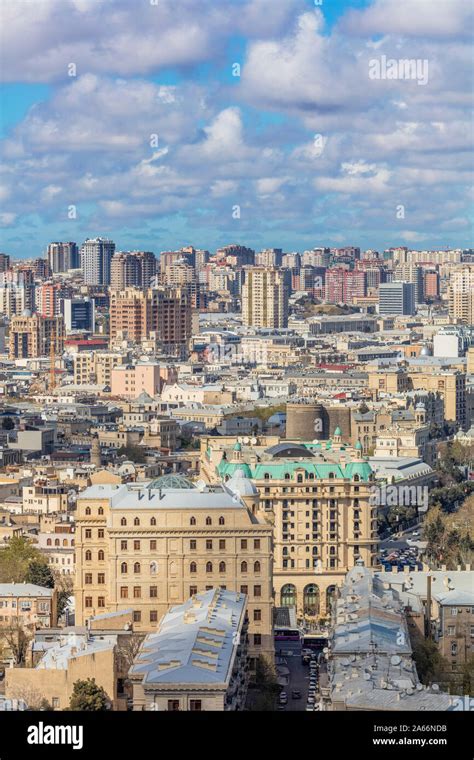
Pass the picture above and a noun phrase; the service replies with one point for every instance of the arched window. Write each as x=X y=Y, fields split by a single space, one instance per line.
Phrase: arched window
x=136 y=521
x=266 y=476
x=222 y=567
x=299 y=478
x=136 y=567
x=100 y=555
x=88 y=510
x=311 y=599
x=356 y=478
x=193 y=567
x=153 y=568
x=311 y=476
x=208 y=567
x=88 y=556
x=243 y=567
x=153 y=521
x=221 y=520
x=288 y=595
x=454 y=648
x=123 y=521
x=48 y=542
x=72 y=542
x=64 y=541
x=56 y=542
x=208 y=520
x=287 y=475
x=123 y=567
x=256 y=567
x=331 y=476
x=101 y=510
x=192 y=521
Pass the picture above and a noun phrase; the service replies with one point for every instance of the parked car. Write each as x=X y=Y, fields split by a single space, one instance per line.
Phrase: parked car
x=283 y=699
x=296 y=694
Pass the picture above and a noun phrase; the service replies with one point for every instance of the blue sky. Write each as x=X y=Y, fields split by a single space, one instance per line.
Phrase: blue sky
x=303 y=148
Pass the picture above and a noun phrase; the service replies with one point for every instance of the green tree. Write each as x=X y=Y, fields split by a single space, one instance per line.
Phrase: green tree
x=87 y=696
x=135 y=453
x=15 y=560
x=8 y=423
x=39 y=573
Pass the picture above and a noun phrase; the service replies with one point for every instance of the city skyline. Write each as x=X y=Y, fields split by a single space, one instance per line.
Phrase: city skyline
x=137 y=125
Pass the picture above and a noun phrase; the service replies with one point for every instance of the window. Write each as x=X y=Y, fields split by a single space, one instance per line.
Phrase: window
x=257 y=639
x=208 y=544
x=222 y=567
x=222 y=544
x=454 y=611
x=55 y=703
x=221 y=520
x=173 y=705
x=153 y=545
x=454 y=648
x=101 y=601
x=56 y=542
x=136 y=546
x=88 y=510
x=153 y=592
x=136 y=567
x=195 y=705
x=256 y=567
x=208 y=567
x=243 y=567
x=123 y=521
x=137 y=592
x=88 y=556
x=136 y=521
x=100 y=555
x=123 y=567
x=257 y=591
x=100 y=533
x=101 y=579
x=48 y=542
x=153 y=521
x=193 y=567
x=88 y=533
x=101 y=510
x=243 y=543
x=153 y=568
x=192 y=545
x=137 y=616
x=153 y=616
x=123 y=546
x=244 y=589
x=451 y=630
x=256 y=543
x=124 y=592
x=192 y=521
x=88 y=601
x=88 y=579
x=208 y=520
x=257 y=615
x=193 y=590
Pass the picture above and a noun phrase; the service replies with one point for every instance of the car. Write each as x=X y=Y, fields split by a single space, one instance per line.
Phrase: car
x=281 y=707
x=309 y=708
x=296 y=694
x=283 y=699
x=311 y=700
x=415 y=533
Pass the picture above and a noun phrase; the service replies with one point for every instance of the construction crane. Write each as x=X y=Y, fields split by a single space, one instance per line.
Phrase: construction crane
x=52 y=361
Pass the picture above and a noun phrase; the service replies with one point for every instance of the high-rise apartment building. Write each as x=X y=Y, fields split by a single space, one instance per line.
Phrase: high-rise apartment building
x=149 y=547
x=96 y=255
x=173 y=319
x=412 y=273
x=47 y=299
x=343 y=285
x=269 y=257
x=265 y=297
x=79 y=314
x=397 y=298
x=4 y=262
x=461 y=294
x=31 y=336
x=132 y=269
x=431 y=284
x=132 y=313
x=63 y=256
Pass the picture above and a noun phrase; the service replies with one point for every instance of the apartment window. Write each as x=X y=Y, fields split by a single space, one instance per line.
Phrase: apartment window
x=208 y=567
x=153 y=521
x=136 y=521
x=88 y=556
x=221 y=520
x=88 y=601
x=243 y=567
x=222 y=567
x=195 y=705
x=153 y=616
x=55 y=703
x=123 y=567
x=193 y=590
x=257 y=591
x=208 y=520
x=100 y=556
x=451 y=630
x=256 y=567
x=153 y=592
x=136 y=567
x=454 y=648
x=101 y=579
x=173 y=705
x=243 y=543
x=137 y=616
x=244 y=589
x=454 y=611
x=222 y=544
x=136 y=546
x=100 y=533
x=192 y=521
x=137 y=592
x=256 y=543
x=193 y=567
x=208 y=544
x=123 y=521
x=192 y=545
x=124 y=592
x=101 y=601
x=257 y=615
x=88 y=533
x=257 y=639
x=88 y=579
x=153 y=546
x=123 y=546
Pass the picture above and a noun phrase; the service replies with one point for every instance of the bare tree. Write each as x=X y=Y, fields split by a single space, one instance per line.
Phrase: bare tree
x=128 y=646
x=17 y=638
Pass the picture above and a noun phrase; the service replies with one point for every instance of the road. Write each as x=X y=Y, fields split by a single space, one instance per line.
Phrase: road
x=401 y=543
x=299 y=673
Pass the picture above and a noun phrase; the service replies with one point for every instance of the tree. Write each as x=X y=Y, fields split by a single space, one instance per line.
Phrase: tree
x=64 y=586
x=39 y=573
x=8 y=423
x=15 y=559
x=87 y=696
x=266 y=686
x=136 y=454
x=17 y=638
x=128 y=646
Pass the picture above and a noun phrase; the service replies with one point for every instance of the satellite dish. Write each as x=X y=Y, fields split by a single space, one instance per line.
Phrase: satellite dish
x=325 y=650
x=253 y=441
x=419 y=687
x=367 y=676
x=246 y=439
x=395 y=659
x=434 y=687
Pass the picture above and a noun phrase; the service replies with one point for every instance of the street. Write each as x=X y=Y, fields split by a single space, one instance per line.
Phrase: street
x=298 y=675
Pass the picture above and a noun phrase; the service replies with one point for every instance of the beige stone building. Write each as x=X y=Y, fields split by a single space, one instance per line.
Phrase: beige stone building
x=317 y=497
x=149 y=547
x=265 y=297
x=96 y=366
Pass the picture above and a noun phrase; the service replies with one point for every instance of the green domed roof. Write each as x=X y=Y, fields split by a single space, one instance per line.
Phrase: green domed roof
x=338 y=431
x=238 y=446
x=362 y=469
x=171 y=481
x=358 y=446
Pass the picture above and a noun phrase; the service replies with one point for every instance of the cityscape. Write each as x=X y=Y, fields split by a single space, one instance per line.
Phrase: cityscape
x=236 y=418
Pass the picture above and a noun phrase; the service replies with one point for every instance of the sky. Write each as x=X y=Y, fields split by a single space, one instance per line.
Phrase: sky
x=270 y=123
